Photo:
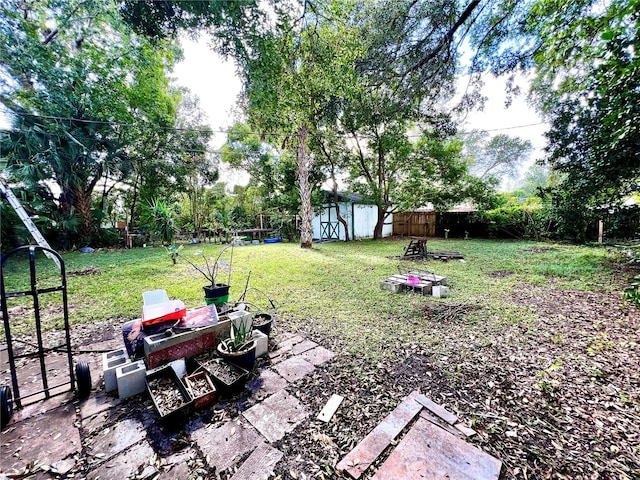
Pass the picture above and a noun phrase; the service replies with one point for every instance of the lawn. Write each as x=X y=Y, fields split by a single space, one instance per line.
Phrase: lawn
x=533 y=348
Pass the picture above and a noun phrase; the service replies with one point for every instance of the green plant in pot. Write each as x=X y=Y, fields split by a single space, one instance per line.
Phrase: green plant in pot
x=214 y=293
x=173 y=251
x=240 y=348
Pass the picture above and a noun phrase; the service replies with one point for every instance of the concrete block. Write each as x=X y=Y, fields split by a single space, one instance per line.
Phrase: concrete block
x=391 y=285
x=179 y=366
x=440 y=291
x=163 y=348
x=423 y=288
x=239 y=316
x=262 y=342
x=131 y=379
x=111 y=361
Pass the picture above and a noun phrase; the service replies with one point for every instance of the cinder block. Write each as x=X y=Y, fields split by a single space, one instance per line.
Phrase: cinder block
x=111 y=361
x=239 y=316
x=391 y=285
x=179 y=366
x=440 y=291
x=423 y=288
x=262 y=342
x=163 y=348
x=131 y=379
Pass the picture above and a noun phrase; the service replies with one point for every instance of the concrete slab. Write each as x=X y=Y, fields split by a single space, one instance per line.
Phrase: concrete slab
x=303 y=346
x=429 y=453
x=318 y=356
x=267 y=383
x=277 y=415
x=46 y=438
x=358 y=460
x=177 y=466
x=285 y=346
x=41 y=407
x=226 y=445
x=126 y=463
x=260 y=463
x=113 y=440
x=96 y=404
x=294 y=368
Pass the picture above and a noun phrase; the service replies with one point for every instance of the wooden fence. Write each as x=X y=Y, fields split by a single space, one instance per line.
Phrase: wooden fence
x=415 y=224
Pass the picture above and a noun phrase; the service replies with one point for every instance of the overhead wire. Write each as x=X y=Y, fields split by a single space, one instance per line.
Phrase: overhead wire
x=210 y=130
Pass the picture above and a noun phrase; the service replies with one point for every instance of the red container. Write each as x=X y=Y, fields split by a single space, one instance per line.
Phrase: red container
x=202 y=389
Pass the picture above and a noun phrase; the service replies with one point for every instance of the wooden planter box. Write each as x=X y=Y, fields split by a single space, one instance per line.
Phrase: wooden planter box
x=202 y=389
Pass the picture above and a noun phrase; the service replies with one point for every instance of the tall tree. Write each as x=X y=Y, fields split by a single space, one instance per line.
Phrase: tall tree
x=291 y=75
x=500 y=156
x=585 y=55
x=74 y=79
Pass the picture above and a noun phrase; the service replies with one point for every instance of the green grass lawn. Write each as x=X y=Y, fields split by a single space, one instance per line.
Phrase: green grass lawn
x=333 y=289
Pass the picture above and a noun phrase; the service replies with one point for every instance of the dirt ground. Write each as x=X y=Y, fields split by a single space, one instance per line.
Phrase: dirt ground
x=555 y=397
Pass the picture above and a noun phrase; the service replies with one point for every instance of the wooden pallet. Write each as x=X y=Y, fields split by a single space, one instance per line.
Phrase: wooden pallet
x=444 y=255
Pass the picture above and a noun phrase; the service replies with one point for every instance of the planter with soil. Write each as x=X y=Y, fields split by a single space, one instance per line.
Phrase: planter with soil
x=228 y=378
x=244 y=357
x=202 y=389
x=169 y=395
x=263 y=322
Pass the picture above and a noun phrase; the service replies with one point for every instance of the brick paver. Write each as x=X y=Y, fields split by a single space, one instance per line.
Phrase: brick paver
x=318 y=356
x=226 y=445
x=427 y=452
x=260 y=463
x=277 y=415
x=267 y=383
x=294 y=368
x=113 y=440
x=302 y=347
x=47 y=438
x=125 y=464
x=366 y=452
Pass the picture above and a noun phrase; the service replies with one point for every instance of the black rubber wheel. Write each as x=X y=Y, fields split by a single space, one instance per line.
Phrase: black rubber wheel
x=6 y=405
x=83 y=378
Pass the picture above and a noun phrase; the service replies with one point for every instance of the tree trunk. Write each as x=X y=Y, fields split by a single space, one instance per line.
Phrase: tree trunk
x=133 y=201
x=334 y=190
x=83 y=206
x=377 y=231
x=304 y=165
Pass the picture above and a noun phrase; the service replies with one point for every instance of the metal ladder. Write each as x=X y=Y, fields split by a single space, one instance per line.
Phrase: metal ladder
x=24 y=216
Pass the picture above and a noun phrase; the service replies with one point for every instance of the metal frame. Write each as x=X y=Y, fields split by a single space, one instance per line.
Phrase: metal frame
x=35 y=292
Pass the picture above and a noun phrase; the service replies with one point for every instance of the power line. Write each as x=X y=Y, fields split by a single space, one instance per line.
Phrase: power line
x=209 y=130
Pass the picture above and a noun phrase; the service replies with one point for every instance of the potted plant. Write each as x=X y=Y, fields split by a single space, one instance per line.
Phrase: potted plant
x=173 y=251
x=239 y=348
x=214 y=292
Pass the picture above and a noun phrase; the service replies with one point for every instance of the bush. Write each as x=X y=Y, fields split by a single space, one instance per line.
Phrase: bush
x=517 y=221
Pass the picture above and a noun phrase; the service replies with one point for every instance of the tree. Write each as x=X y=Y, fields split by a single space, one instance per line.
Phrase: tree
x=400 y=155
x=73 y=89
x=499 y=156
x=291 y=75
x=585 y=54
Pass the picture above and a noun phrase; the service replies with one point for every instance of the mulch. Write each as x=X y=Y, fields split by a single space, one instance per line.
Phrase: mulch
x=557 y=397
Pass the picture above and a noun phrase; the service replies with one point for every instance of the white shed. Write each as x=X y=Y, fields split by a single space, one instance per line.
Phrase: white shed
x=360 y=215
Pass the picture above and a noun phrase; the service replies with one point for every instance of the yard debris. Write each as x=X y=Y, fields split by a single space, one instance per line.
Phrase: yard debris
x=330 y=408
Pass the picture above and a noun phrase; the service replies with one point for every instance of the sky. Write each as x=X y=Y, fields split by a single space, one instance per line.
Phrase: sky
x=213 y=80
